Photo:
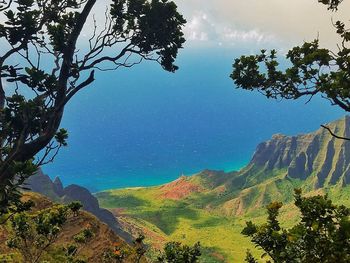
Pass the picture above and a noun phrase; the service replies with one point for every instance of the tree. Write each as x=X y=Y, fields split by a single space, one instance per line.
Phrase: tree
x=42 y=68
x=121 y=254
x=75 y=207
x=175 y=252
x=34 y=233
x=323 y=234
x=118 y=254
x=314 y=70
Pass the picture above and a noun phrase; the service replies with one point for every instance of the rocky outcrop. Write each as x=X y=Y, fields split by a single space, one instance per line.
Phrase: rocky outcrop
x=58 y=187
x=276 y=153
x=316 y=154
x=41 y=183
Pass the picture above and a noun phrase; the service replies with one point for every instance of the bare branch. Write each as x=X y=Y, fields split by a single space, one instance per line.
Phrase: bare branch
x=82 y=85
x=335 y=135
x=7 y=5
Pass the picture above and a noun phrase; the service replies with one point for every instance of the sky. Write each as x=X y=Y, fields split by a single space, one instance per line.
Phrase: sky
x=280 y=23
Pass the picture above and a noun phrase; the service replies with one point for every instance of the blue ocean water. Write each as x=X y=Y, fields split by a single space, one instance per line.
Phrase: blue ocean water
x=143 y=126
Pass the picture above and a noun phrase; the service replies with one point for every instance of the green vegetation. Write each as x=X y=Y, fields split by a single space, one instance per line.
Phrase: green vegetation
x=322 y=235
x=75 y=207
x=174 y=252
x=166 y=220
x=43 y=68
x=33 y=234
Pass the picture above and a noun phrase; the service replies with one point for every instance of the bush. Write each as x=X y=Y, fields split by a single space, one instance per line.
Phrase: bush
x=322 y=236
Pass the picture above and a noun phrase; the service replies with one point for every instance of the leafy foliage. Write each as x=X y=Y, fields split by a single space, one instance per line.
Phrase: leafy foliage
x=323 y=234
x=42 y=36
x=84 y=236
x=71 y=252
x=249 y=258
x=75 y=207
x=140 y=249
x=10 y=194
x=117 y=254
x=32 y=234
x=332 y=4
x=174 y=252
x=121 y=254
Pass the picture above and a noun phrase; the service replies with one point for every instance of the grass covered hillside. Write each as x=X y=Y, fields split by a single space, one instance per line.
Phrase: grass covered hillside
x=212 y=206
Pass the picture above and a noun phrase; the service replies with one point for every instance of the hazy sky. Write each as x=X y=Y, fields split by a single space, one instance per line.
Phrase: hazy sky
x=278 y=22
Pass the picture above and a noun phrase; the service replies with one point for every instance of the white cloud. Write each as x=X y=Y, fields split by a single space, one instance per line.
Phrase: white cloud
x=199 y=28
x=203 y=27
x=245 y=36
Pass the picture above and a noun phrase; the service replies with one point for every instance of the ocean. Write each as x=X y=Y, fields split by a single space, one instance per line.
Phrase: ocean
x=144 y=126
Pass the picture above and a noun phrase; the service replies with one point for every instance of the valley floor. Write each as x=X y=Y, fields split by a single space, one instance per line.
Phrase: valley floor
x=145 y=210
x=163 y=220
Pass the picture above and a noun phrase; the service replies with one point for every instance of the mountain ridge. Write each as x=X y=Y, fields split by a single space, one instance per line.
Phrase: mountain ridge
x=317 y=154
x=54 y=190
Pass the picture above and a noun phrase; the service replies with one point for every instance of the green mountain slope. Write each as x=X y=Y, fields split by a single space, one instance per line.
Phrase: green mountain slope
x=212 y=206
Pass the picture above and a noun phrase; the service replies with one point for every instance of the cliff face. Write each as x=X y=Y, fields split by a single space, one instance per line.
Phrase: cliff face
x=41 y=183
x=318 y=155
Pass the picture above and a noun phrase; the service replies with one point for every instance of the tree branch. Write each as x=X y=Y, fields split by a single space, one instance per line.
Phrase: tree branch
x=107 y=58
x=3 y=8
x=69 y=51
x=334 y=135
x=82 y=85
x=39 y=143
